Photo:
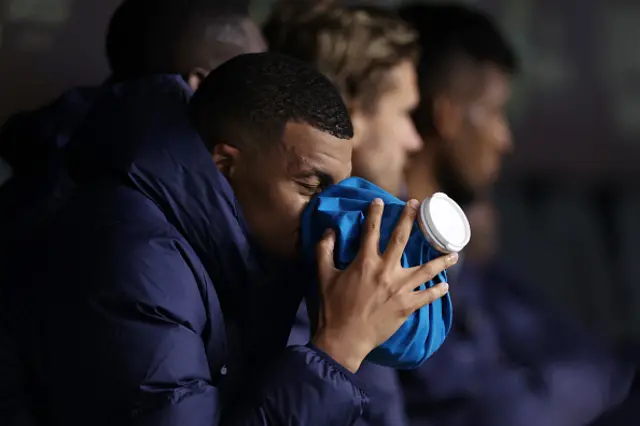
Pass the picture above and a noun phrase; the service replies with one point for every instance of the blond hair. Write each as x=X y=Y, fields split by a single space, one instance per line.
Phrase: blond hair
x=354 y=47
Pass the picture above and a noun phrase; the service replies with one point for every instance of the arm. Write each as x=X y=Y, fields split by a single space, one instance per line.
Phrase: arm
x=304 y=387
x=386 y=402
x=136 y=352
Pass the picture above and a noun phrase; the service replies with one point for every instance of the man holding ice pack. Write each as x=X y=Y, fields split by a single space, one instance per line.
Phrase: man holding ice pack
x=166 y=287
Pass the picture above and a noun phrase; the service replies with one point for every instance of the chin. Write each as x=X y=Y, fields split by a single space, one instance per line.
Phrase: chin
x=394 y=187
x=487 y=183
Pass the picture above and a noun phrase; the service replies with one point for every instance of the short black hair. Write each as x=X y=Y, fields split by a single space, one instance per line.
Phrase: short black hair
x=248 y=101
x=168 y=36
x=450 y=32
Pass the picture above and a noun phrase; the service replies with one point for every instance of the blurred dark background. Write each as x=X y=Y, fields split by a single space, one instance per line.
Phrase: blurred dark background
x=570 y=196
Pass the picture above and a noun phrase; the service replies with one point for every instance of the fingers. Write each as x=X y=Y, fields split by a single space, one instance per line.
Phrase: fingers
x=426 y=272
x=422 y=298
x=401 y=233
x=371 y=231
x=324 y=255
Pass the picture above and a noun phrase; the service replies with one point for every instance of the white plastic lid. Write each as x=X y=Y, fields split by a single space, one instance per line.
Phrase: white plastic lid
x=444 y=223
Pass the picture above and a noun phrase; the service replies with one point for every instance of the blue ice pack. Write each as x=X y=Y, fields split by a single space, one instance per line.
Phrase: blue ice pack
x=342 y=207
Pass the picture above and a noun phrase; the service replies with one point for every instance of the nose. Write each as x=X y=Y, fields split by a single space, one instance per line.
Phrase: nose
x=413 y=141
x=506 y=140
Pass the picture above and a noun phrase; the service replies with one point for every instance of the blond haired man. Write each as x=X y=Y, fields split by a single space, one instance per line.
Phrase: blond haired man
x=370 y=55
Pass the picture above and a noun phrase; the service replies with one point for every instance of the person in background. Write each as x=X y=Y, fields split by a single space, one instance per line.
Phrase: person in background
x=370 y=55
x=181 y=41
x=165 y=292
x=145 y=37
x=508 y=360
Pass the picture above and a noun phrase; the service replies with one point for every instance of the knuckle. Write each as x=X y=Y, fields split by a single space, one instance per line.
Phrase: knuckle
x=390 y=293
x=429 y=270
x=367 y=265
x=406 y=308
x=430 y=295
x=400 y=237
x=385 y=280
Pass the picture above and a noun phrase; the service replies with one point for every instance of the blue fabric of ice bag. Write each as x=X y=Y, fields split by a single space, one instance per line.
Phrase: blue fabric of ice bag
x=342 y=207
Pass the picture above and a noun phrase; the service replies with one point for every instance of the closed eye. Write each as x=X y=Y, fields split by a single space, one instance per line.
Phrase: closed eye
x=310 y=188
x=314 y=181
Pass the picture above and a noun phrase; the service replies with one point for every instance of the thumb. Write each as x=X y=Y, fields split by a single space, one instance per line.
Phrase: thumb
x=324 y=254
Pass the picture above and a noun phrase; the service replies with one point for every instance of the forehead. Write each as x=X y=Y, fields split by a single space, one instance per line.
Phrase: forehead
x=496 y=84
x=481 y=83
x=256 y=41
x=307 y=148
x=402 y=85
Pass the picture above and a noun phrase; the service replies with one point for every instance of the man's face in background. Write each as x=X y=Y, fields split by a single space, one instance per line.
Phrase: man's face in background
x=384 y=133
x=474 y=133
x=255 y=41
x=228 y=41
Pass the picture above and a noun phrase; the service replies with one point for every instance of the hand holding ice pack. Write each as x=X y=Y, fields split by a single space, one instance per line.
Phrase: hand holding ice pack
x=441 y=222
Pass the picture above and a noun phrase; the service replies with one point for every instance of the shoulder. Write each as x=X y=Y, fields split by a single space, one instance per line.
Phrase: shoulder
x=46 y=129
x=118 y=241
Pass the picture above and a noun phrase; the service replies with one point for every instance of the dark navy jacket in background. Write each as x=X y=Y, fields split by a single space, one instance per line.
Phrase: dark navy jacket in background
x=30 y=138
x=510 y=361
x=145 y=303
x=32 y=144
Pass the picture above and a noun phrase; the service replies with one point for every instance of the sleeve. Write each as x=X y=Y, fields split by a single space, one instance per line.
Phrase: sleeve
x=304 y=387
x=127 y=350
x=386 y=405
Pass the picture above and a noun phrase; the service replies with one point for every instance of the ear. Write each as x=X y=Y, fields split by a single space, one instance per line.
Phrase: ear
x=447 y=117
x=195 y=77
x=227 y=159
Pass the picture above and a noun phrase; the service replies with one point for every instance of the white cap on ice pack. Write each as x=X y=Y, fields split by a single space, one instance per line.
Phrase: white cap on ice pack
x=444 y=224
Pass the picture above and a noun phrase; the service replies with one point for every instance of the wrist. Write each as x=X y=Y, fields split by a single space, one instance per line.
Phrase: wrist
x=342 y=351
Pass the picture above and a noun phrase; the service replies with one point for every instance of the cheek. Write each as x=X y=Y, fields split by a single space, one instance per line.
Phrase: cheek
x=292 y=210
x=288 y=205
x=466 y=154
x=387 y=139
x=490 y=129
